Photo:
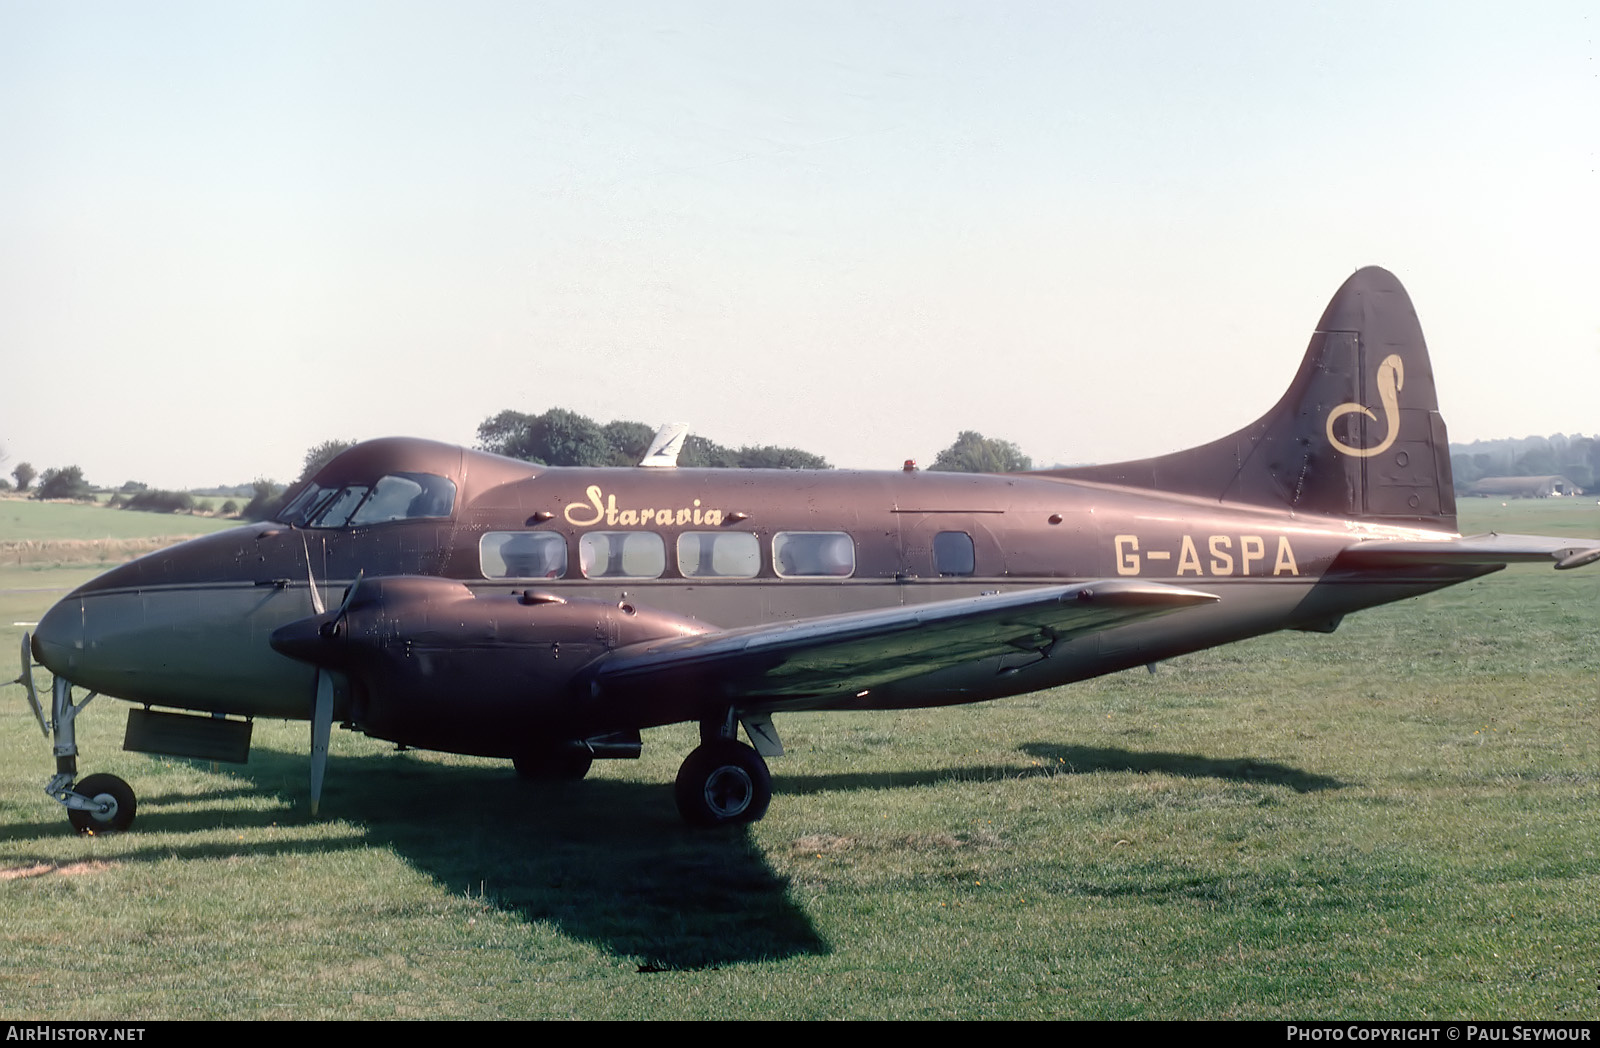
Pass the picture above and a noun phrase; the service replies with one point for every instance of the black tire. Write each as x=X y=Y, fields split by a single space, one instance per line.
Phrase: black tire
x=558 y=762
x=723 y=783
x=104 y=789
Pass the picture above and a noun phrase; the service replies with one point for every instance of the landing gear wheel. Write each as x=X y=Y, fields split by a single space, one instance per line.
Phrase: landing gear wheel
x=562 y=762
x=723 y=783
x=114 y=794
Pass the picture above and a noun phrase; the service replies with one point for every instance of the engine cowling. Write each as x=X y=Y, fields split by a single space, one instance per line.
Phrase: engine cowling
x=434 y=665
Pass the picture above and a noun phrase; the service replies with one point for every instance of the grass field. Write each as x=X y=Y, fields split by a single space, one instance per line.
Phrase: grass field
x=1399 y=820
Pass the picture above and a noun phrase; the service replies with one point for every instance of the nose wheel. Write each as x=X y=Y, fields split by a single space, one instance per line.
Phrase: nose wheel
x=110 y=805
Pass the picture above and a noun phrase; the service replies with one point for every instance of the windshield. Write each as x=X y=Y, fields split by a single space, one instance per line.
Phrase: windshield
x=398 y=496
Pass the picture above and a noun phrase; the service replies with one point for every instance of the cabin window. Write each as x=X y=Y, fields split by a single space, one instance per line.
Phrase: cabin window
x=809 y=554
x=952 y=553
x=622 y=555
x=719 y=555
x=522 y=555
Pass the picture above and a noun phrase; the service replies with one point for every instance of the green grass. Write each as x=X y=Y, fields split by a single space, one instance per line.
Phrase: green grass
x=24 y=519
x=46 y=536
x=1398 y=821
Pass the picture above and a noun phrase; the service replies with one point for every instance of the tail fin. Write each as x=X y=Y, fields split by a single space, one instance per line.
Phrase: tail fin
x=1358 y=434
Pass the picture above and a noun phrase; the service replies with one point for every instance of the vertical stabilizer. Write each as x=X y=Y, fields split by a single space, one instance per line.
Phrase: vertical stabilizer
x=1358 y=434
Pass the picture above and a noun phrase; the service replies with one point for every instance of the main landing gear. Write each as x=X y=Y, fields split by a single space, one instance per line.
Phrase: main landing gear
x=723 y=782
x=96 y=803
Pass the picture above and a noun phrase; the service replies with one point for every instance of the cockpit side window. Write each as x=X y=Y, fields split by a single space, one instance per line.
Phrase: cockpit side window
x=406 y=496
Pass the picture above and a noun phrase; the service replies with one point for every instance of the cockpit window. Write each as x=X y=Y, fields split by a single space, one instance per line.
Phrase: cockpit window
x=302 y=505
x=398 y=496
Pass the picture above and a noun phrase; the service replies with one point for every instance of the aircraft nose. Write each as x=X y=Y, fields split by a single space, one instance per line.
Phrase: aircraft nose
x=58 y=639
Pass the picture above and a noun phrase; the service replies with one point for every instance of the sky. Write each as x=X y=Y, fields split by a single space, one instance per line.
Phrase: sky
x=229 y=232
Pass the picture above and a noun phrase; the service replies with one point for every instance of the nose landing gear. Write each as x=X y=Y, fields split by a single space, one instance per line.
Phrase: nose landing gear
x=97 y=803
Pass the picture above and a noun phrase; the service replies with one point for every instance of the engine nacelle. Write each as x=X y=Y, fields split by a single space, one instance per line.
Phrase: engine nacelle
x=433 y=665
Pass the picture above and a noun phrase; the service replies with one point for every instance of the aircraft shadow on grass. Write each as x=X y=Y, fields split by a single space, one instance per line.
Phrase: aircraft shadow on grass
x=1084 y=759
x=1058 y=759
x=604 y=861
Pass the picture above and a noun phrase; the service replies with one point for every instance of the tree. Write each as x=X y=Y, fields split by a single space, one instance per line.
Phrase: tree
x=505 y=434
x=564 y=438
x=264 y=502
x=556 y=438
x=769 y=456
x=158 y=501
x=700 y=453
x=322 y=454
x=974 y=453
x=64 y=483
x=628 y=441
x=24 y=474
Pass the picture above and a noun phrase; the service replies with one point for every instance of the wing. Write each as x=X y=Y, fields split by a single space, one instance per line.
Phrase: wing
x=845 y=654
x=1489 y=549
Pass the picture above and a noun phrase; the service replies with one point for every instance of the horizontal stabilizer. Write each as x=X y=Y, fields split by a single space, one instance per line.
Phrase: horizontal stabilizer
x=1491 y=548
x=843 y=654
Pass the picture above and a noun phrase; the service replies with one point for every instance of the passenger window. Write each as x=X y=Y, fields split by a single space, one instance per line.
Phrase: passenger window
x=622 y=555
x=719 y=555
x=952 y=553
x=522 y=555
x=803 y=554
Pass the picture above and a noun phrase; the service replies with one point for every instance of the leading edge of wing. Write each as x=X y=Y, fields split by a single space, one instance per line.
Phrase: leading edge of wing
x=856 y=650
x=1488 y=549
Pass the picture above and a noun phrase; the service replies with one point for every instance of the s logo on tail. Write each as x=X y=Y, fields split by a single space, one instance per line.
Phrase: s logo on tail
x=1391 y=378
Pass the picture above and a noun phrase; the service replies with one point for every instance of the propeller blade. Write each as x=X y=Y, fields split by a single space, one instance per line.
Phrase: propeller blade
x=311 y=580
x=26 y=680
x=350 y=595
x=321 y=728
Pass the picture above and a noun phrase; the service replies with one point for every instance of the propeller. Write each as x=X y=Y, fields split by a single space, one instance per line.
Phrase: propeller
x=322 y=701
x=322 y=705
x=26 y=680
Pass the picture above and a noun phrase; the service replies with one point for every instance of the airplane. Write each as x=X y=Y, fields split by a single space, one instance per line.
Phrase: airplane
x=549 y=615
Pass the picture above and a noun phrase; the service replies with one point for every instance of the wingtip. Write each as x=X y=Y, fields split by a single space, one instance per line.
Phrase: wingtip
x=1578 y=559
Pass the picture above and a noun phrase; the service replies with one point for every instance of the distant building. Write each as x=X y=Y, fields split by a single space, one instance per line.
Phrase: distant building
x=1524 y=487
